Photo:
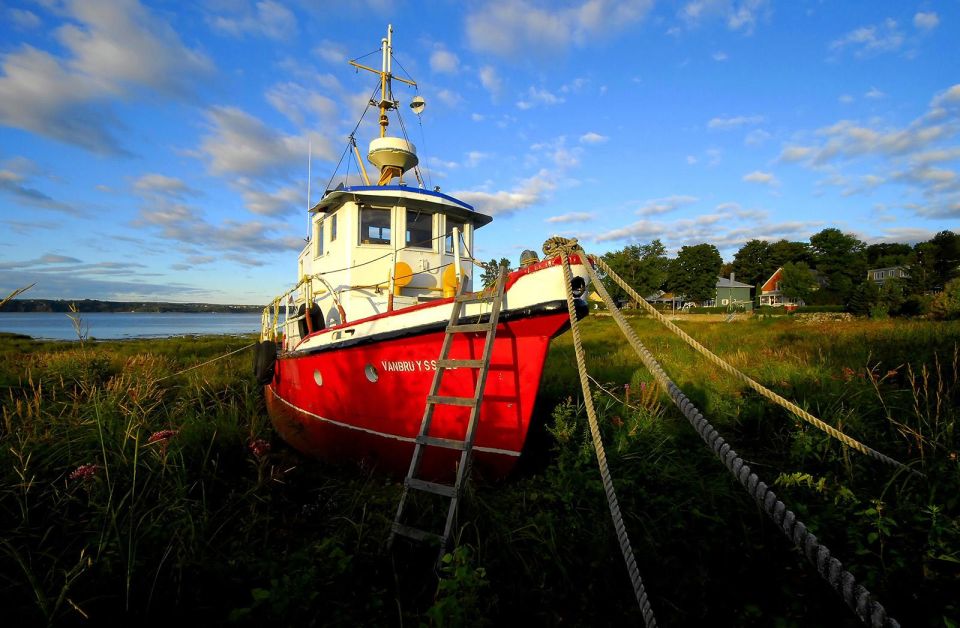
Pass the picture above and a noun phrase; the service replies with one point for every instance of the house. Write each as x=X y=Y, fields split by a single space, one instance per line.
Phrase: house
x=770 y=293
x=732 y=294
x=879 y=276
x=665 y=300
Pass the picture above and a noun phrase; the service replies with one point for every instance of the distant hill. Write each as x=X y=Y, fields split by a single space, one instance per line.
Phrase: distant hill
x=93 y=305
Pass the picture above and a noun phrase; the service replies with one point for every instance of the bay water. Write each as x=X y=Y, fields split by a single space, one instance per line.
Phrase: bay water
x=118 y=325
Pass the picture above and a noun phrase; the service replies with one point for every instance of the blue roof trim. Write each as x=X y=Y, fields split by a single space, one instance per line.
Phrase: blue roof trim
x=404 y=188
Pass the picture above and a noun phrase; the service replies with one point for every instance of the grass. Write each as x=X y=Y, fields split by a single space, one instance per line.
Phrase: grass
x=191 y=510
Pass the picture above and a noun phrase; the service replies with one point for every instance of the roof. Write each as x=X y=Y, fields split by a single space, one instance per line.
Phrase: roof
x=725 y=282
x=412 y=197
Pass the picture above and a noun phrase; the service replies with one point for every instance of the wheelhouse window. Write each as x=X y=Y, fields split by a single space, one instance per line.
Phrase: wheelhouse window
x=318 y=238
x=453 y=223
x=374 y=225
x=419 y=229
x=332 y=219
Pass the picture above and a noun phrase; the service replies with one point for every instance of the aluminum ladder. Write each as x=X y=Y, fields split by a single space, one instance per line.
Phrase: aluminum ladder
x=424 y=440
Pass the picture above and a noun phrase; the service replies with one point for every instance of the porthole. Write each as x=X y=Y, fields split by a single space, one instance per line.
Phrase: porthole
x=371 y=373
x=317 y=377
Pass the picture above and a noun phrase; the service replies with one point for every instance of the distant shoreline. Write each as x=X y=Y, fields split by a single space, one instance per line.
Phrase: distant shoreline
x=94 y=305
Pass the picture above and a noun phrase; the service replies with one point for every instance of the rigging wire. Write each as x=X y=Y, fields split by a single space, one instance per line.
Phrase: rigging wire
x=353 y=134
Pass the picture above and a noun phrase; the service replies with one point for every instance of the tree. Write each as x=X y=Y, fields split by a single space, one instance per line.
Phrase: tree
x=840 y=258
x=946 y=247
x=796 y=281
x=752 y=262
x=492 y=271
x=694 y=272
x=643 y=266
x=783 y=251
x=886 y=254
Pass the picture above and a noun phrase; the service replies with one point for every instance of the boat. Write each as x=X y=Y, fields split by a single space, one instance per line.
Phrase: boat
x=348 y=354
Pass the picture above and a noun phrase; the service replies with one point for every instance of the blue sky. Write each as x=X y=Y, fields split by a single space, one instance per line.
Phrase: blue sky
x=158 y=150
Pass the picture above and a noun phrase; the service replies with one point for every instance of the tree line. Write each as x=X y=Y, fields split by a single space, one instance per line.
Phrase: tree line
x=830 y=269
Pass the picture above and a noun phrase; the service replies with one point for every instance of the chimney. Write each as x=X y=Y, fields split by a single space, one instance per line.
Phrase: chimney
x=733 y=276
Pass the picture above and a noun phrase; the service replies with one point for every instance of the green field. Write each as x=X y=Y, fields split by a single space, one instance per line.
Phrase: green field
x=219 y=523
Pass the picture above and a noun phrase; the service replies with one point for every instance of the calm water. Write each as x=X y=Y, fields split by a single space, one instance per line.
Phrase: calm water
x=104 y=325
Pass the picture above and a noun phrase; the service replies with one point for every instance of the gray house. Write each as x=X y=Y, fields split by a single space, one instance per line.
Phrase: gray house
x=733 y=294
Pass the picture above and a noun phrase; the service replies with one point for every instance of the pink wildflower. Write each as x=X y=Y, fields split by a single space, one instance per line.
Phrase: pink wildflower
x=84 y=472
x=160 y=436
x=259 y=447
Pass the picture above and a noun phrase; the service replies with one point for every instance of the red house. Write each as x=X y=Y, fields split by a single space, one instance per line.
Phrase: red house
x=770 y=293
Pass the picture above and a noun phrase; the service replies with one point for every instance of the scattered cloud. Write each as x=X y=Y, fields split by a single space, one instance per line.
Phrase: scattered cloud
x=571 y=217
x=113 y=49
x=511 y=28
x=283 y=201
x=593 y=138
x=300 y=105
x=845 y=99
x=538 y=96
x=528 y=192
x=264 y=19
x=240 y=144
x=23 y=19
x=734 y=122
x=490 y=80
x=444 y=62
x=331 y=51
x=738 y=15
x=719 y=56
x=763 y=178
x=756 y=137
x=926 y=21
x=874 y=94
x=158 y=184
x=871 y=40
x=665 y=205
x=17 y=184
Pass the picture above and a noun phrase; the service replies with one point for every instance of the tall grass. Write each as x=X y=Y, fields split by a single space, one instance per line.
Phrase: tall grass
x=129 y=494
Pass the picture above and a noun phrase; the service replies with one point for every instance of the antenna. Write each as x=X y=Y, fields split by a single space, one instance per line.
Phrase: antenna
x=309 y=159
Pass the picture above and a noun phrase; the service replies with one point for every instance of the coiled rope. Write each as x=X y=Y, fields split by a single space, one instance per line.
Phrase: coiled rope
x=624 y=540
x=855 y=596
x=557 y=243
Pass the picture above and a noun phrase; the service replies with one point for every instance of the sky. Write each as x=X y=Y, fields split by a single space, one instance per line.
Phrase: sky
x=159 y=150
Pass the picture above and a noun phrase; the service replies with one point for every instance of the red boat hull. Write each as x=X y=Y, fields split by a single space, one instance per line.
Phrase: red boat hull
x=365 y=402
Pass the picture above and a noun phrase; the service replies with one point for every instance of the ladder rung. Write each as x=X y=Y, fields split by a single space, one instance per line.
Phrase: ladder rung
x=449 y=443
x=463 y=329
x=432 y=487
x=453 y=363
x=415 y=533
x=476 y=297
x=452 y=401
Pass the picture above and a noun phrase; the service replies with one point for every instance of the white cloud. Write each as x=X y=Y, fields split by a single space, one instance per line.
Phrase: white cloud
x=477 y=117
x=733 y=122
x=796 y=153
x=114 y=48
x=331 y=51
x=16 y=182
x=756 y=137
x=490 y=80
x=571 y=217
x=510 y=28
x=719 y=56
x=538 y=96
x=763 y=178
x=300 y=105
x=239 y=143
x=593 y=138
x=474 y=158
x=845 y=99
x=526 y=193
x=665 y=205
x=448 y=97
x=870 y=40
x=926 y=21
x=874 y=94
x=23 y=19
x=739 y=15
x=265 y=19
x=444 y=62
x=283 y=201
x=163 y=185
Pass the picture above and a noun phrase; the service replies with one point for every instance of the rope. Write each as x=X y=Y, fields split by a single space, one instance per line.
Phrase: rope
x=196 y=366
x=855 y=596
x=615 y=514
x=730 y=369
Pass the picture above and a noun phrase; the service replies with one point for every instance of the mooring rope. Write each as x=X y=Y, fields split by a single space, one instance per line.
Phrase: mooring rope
x=624 y=540
x=196 y=366
x=746 y=379
x=855 y=596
